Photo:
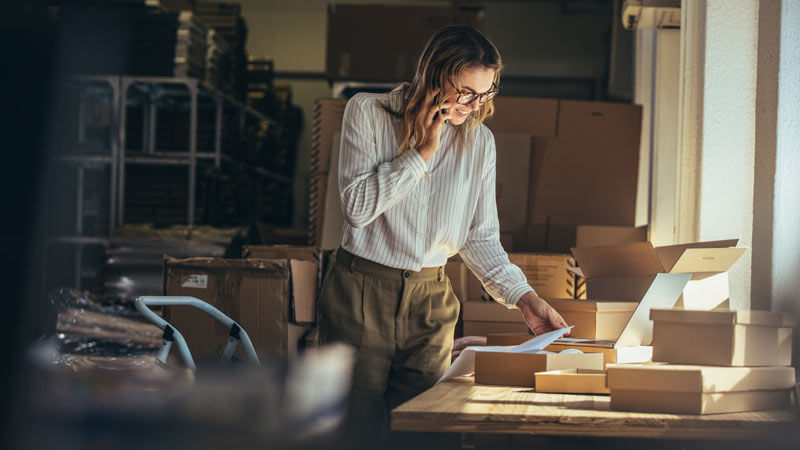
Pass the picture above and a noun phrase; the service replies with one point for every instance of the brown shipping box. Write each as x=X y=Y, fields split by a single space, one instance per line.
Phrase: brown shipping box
x=598 y=235
x=547 y=274
x=465 y=284
x=518 y=369
x=482 y=318
x=722 y=338
x=396 y=36
x=594 y=319
x=572 y=381
x=680 y=389
x=327 y=121
x=258 y=294
x=594 y=145
x=624 y=272
x=633 y=343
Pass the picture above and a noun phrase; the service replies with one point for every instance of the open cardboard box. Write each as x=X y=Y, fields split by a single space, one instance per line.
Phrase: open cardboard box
x=665 y=388
x=594 y=319
x=625 y=272
x=572 y=381
x=722 y=338
x=518 y=369
x=633 y=343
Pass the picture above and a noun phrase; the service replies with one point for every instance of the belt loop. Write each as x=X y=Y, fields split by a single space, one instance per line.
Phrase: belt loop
x=352 y=263
x=441 y=273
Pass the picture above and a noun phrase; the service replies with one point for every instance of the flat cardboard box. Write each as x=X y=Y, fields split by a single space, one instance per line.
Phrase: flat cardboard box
x=592 y=319
x=397 y=34
x=722 y=338
x=685 y=389
x=611 y=355
x=482 y=318
x=486 y=328
x=258 y=294
x=618 y=272
x=598 y=235
x=518 y=369
x=333 y=220
x=327 y=121
x=572 y=381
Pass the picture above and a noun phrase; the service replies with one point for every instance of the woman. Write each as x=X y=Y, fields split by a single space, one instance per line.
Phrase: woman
x=417 y=185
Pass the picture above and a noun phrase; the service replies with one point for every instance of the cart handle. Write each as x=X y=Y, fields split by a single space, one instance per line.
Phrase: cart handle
x=172 y=334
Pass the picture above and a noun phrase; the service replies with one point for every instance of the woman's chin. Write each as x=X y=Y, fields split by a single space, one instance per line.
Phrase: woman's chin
x=458 y=119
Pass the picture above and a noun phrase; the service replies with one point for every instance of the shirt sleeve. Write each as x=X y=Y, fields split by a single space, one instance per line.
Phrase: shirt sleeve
x=482 y=251
x=368 y=187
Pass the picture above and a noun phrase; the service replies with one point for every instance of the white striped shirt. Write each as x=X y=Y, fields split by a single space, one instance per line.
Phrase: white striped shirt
x=405 y=213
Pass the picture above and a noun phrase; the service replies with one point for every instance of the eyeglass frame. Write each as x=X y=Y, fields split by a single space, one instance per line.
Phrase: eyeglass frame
x=491 y=93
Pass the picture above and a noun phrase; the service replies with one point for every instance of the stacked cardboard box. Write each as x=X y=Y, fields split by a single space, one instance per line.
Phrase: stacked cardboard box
x=274 y=300
x=583 y=170
x=718 y=361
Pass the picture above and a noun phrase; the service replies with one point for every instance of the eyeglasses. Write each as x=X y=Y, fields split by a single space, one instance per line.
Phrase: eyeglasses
x=468 y=96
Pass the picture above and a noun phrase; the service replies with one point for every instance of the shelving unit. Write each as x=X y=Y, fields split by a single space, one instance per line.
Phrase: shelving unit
x=121 y=147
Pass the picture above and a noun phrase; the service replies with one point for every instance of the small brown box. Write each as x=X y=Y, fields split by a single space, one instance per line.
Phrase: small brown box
x=572 y=381
x=663 y=388
x=722 y=338
x=518 y=369
x=593 y=319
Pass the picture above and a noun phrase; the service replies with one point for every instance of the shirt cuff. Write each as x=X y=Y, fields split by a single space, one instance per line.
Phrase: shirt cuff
x=414 y=161
x=515 y=293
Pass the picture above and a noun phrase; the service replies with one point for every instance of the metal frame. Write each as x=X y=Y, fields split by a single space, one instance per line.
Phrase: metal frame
x=171 y=334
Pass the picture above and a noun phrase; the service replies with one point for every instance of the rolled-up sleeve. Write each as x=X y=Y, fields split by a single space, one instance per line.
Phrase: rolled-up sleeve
x=482 y=251
x=368 y=187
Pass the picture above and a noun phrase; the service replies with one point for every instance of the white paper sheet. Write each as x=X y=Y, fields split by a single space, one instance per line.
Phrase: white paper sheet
x=465 y=362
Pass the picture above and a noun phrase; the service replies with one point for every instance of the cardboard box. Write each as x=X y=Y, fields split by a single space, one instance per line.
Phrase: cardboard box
x=572 y=381
x=699 y=389
x=321 y=257
x=592 y=319
x=598 y=235
x=594 y=145
x=722 y=338
x=261 y=295
x=396 y=36
x=465 y=284
x=547 y=274
x=512 y=174
x=623 y=272
x=611 y=354
x=518 y=369
x=327 y=121
x=507 y=234
x=482 y=318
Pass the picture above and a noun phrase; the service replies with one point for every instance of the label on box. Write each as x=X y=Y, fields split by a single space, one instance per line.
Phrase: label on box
x=196 y=281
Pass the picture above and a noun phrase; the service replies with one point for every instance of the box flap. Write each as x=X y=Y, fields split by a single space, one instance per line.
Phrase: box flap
x=304 y=290
x=717 y=317
x=663 y=293
x=638 y=258
x=670 y=254
x=707 y=260
x=705 y=379
x=575 y=271
x=591 y=305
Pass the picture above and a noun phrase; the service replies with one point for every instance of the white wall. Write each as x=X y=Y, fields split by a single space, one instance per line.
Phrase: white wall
x=727 y=158
x=786 y=244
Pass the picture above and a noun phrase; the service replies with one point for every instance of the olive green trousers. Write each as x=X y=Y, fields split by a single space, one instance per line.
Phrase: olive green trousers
x=401 y=324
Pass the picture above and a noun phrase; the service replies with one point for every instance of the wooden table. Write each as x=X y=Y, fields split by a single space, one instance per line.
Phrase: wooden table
x=460 y=406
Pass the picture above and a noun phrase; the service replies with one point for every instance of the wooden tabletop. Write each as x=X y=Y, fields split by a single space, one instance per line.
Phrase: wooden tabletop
x=460 y=406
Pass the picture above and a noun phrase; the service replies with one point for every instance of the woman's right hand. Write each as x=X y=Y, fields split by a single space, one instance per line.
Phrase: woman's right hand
x=433 y=125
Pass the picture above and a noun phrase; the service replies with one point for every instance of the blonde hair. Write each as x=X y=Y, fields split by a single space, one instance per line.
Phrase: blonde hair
x=448 y=53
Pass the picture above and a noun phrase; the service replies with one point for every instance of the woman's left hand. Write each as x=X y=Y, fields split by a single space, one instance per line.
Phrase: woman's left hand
x=539 y=315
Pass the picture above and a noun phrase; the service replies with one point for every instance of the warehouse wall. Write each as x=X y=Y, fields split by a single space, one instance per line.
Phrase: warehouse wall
x=540 y=41
x=786 y=238
x=727 y=158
